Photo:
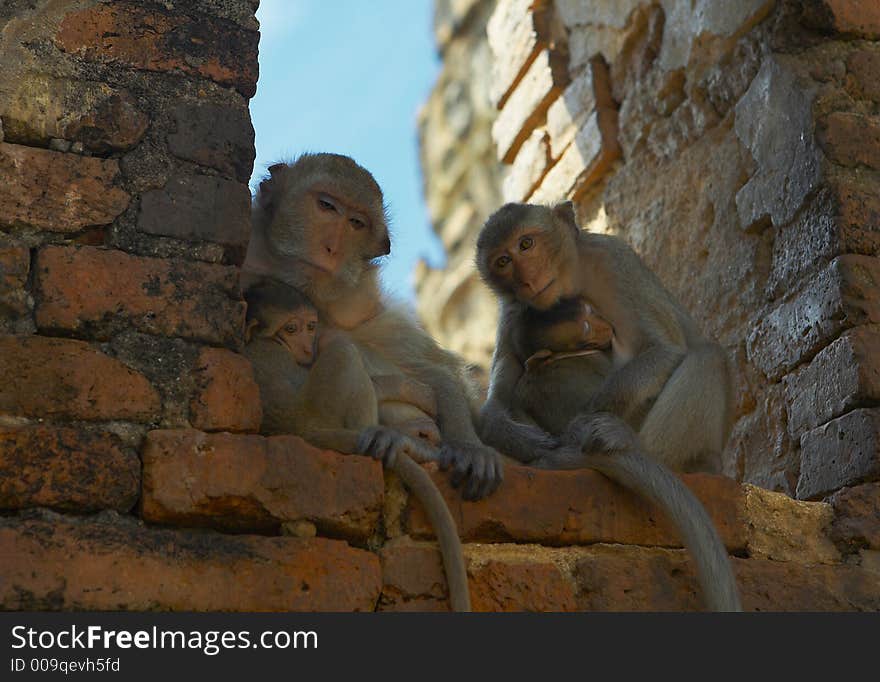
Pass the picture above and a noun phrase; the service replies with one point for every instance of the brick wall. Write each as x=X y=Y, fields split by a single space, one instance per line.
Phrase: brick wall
x=735 y=146
x=130 y=474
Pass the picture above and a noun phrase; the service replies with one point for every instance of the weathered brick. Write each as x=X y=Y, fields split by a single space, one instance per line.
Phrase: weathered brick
x=843 y=295
x=227 y=396
x=114 y=124
x=148 y=38
x=774 y=120
x=412 y=577
x=527 y=105
x=517 y=31
x=841 y=377
x=844 y=451
x=242 y=482
x=38 y=108
x=198 y=208
x=856 y=17
x=577 y=507
x=863 y=67
x=851 y=139
x=588 y=92
x=857 y=516
x=784 y=529
x=520 y=586
x=858 y=208
x=57 y=192
x=220 y=137
x=639 y=579
x=529 y=166
x=15 y=264
x=93 y=566
x=98 y=291
x=584 y=162
x=43 y=377
x=66 y=469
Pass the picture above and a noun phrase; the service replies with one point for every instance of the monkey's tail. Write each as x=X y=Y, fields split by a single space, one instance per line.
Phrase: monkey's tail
x=658 y=484
x=421 y=485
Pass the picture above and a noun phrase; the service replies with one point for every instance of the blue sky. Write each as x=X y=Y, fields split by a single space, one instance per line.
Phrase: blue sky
x=349 y=76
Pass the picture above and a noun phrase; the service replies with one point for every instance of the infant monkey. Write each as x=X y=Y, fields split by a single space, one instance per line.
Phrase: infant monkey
x=568 y=329
x=326 y=396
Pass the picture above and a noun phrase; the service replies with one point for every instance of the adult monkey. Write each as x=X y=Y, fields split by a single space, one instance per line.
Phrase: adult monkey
x=659 y=377
x=319 y=224
x=323 y=393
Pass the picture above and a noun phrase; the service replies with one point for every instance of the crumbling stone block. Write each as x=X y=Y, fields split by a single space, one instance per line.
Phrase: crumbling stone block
x=856 y=522
x=851 y=139
x=214 y=136
x=517 y=31
x=845 y=451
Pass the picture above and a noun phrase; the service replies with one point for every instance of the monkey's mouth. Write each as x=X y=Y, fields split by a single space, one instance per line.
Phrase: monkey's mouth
x=538 y=295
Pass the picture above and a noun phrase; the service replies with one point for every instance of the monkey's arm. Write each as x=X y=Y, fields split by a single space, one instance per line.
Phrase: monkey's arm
x=630 y=388
x=524 y=442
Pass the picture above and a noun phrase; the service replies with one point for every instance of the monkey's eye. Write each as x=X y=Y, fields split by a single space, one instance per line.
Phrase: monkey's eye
x=526 y=243
x=502 y=262
x=326 y=205
x=357 y=223
x=291 y=328
x=312 y=326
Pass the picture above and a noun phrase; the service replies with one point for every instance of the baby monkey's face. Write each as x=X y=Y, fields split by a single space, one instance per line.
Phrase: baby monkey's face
x=298 y=334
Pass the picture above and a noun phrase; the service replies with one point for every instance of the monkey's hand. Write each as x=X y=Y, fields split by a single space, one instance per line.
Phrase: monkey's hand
x=599 y=432
x=476 y=465
x=385 y=444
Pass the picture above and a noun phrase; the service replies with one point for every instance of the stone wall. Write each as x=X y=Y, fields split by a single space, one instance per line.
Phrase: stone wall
x=131 y=475
x=735 y=146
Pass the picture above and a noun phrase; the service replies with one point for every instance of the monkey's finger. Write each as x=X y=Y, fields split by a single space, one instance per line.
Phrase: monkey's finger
x=365 y=441
x=475 y=487
x=461 y=465
x=445 y=457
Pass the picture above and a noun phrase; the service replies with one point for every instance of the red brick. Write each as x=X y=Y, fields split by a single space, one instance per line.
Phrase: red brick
x=66 y=469
x=114 y=124
x=577 y=507
x=503 y=586
x=227 y=396
x=15 y=264
x=858 y=17
x=857 y=516
x=851 y=139
x=151 y=39
x=57 y=192
x=864 y=67
x=101 y=292
x=412 y=577
x=637 y=579
x=43 y=377
x=242 y=482
x=92 y=566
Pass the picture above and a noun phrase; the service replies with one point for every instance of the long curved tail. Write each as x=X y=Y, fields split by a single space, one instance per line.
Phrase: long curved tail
x=421 y=485
x=659 y=485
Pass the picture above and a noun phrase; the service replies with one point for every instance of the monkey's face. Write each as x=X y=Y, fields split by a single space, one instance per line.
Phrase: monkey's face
x=298 y=333
x=526 y=264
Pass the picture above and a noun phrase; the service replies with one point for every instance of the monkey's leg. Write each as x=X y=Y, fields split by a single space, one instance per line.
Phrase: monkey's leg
x=391 y=387
x=689 y=423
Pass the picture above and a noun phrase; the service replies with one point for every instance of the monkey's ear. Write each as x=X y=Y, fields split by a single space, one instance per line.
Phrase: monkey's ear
x=382 y=245
x=565 y=213
x=249 y=328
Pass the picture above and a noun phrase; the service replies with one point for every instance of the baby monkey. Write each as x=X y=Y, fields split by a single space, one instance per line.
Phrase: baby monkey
x=319 y=388
x=569 y=329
